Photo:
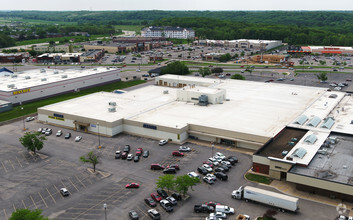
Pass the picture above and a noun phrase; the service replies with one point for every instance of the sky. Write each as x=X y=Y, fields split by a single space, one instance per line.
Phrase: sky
x=74 y=5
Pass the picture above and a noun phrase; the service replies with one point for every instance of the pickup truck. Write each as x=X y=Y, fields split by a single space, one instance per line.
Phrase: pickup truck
x=242 y=217
x=203 y=208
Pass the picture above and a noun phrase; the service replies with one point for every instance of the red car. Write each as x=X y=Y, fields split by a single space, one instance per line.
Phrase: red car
x=212 y=204
x=209 y=163
x=139 y=151
x=241 y=66
x=124 y=155
x=156 y=197
x=175 y=166
x=132 y=185
x=177 y=153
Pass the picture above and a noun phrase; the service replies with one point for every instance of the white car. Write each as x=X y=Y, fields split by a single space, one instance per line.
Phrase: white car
x=220 y=155
x=138 y=70
x=226 y=163
x=59 y=133
x=29 y=119
x=218 y=215
x=163 y=142
x=213 y=161
x=210 y=175
x=337 y=88
x=64 y=192
x=78 y=138
x=208 y=180
x=184 y=149
x=207 y=167
x=193 y=174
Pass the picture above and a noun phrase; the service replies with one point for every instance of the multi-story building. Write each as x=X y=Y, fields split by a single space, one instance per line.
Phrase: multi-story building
x=242 y=43
x=168 y=32
x=57 y=48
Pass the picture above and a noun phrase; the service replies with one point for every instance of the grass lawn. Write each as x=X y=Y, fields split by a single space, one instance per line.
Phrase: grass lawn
x=136 y=28
x=258 y=178
x=32 y=107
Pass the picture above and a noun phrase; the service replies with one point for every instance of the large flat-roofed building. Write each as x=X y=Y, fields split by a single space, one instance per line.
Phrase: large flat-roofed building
x=243 y=114
x=241 y=43
x=168 y=32
x=37 y=84
x=321 y=50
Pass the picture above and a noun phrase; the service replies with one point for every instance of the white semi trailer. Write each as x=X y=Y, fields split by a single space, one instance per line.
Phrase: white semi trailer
x=283 y=202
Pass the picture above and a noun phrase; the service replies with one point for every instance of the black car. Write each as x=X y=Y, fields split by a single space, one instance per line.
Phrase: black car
x=146 y=153
x=176 y=196
x=224 y=167
x=162 y=193
x=133 y=215
x=149 y=201
x=127 y=149
x=169 y=170
x=231 y=161
x=233 y=158
x=221 y=176
x=220 y=169
x=202 y=170
x=68 y=135
x=136 y=158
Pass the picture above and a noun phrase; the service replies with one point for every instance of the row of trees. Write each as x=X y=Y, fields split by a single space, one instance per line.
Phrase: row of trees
x=177 y=68
x=179 y=183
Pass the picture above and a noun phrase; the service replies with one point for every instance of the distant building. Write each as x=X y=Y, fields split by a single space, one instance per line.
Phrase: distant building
x=91 y=56
x=11 y=58
x=168 y=32
x=59 y=58
x=212 y=56
x=241 y=43
x=84 y=34
x=320 y=49
x=57 y=48
x=268 y=58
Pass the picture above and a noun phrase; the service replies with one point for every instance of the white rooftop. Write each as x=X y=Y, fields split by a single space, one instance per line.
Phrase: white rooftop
x=31 y=78
x=254 y=107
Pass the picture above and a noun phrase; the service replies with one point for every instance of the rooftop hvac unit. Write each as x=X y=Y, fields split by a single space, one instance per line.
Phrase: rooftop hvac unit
x=27 y=77
x=14 y=76
x=43 y=70
x=203 y=100
x=95 y=69
x=64 y=76
x=56 y=72
x=111 y=110
x=11 y=86
x=44 y=79
x=112 y=103
x=165 y=92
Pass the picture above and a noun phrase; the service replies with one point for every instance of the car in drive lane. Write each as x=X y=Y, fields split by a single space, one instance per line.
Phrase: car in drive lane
x=177 y=154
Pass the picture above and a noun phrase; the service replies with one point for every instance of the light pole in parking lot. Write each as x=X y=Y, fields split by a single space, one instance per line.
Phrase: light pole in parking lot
x=212 y=148
x=23 y=118
x=99 y=137
x=105 y=211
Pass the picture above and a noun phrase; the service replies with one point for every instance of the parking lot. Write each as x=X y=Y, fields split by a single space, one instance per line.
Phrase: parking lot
x=35 y=183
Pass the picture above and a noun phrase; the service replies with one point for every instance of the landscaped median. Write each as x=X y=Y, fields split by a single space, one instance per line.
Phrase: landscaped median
x=258 y=178
x=32 y=107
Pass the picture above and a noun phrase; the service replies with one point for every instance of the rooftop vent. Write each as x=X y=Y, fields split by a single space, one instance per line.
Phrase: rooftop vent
x=43 y=70
x=64 y=76
x=203 y=100
x=111 y=110
x=56 y=72
x=11 y=86
x=27 y=77
x=165 y=92
x=95 y=69
x=14 y=76
x=44 y=79
x=112 y=103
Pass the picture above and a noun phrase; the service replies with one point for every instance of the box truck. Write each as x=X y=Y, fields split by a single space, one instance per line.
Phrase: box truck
x=283 y=202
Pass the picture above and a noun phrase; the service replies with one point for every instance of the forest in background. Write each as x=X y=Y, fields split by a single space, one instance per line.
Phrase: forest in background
x=293 y=27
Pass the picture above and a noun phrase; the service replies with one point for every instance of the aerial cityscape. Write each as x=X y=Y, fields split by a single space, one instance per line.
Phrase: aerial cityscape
x=198 y=111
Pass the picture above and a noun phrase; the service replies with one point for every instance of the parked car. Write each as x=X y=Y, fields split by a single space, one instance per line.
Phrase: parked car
x=218 y=215
x=162 y=193
x=44 y=130
x=28 y=119
x=203 y=208
x=133 y=215
x=139 y=151
x=78 y=138
x=221 y=176
x=176 y=196
x=213 y=161
x=48 y=132
x=64 y=192
x=170 y=170
x=40 y=130
x=129 y=157
x=177 y=154
x=67 y=135
x=59 y=133
x=149 y=201
x=209 y=163
x=207 y=167
x=154 y=214
x=126 y=148
x=193 y=174
x=226 y=163
x=156 y=197
x=208 y=180
x=172 y=200
x=213 y=177
x=163 y=142
x=175 y=166
x=219 y=169
x=220 y=155
x=132 y=185
x=157 y=166
x=224 y=167
x=146 y=153
x=212 y=204
x=184 y=149
x=166 y=205
x=124 y=155
x=117 y=154
x=136 y=158
x=202 y=170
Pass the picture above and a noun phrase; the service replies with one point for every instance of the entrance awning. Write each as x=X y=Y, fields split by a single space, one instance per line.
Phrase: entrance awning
x=81 y=123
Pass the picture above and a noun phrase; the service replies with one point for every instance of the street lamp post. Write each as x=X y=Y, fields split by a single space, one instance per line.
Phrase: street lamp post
x=212 y=148
x=23 y=119
x=99 y=138
x=105 y=211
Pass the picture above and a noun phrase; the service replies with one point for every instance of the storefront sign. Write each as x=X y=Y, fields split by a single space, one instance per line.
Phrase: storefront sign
x=56 y=118
x=21 y=91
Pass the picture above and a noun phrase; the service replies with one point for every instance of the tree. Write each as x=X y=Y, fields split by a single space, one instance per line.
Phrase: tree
x=25 y=214
x=205 y=71
x=238 y=76
x=92 y=158
x=225 y=57
x=322 y=62
x=33 y=141
x=217 y=70
x=322 y=77
x=177 y=68
x=242 y=53
x=183 y=183
x=166 y=181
